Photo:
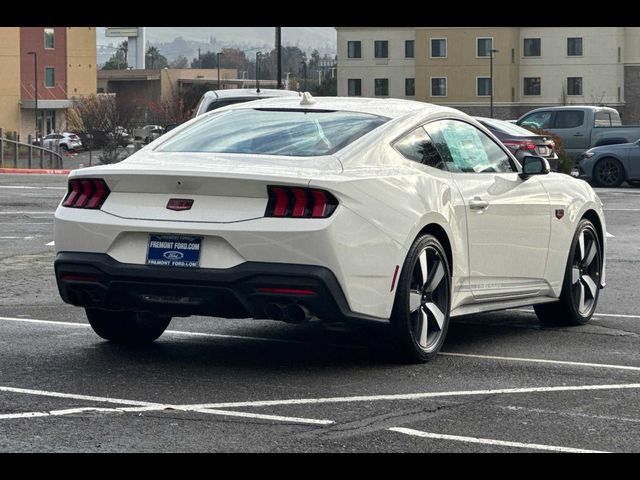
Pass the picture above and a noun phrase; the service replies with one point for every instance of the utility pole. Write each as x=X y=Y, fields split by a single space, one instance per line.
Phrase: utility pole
x=35 y=71
x=491 y=52
x=279 y=59
x=218 y=62
x=199 y=60
x=258 y=54
x=304 y=70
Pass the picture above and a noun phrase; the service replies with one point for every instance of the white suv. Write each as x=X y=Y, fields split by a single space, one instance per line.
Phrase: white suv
x=67 y=141
x=214 y=99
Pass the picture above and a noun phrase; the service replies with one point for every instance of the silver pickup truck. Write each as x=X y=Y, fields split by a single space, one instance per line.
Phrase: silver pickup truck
x=582 y=127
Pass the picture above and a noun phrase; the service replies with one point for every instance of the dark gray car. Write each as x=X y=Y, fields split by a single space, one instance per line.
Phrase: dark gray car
x=610 y=165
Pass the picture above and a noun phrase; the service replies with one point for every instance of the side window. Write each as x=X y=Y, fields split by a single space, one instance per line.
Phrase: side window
x=417 y=146
x=538 y=120
x=467 y=149
x=569 y=119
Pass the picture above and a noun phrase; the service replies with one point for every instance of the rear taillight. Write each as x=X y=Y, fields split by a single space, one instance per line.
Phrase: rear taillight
x=86 y=193
x=520 y=145
x=297 y=202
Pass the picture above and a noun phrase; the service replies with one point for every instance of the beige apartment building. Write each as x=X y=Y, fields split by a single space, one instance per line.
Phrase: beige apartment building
x=530 y=67
x=62 y=59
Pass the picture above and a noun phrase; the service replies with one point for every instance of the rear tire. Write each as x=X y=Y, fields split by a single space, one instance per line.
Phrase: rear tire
x=581 y=285
x=133 y=328
x=608 y=172
x=420 y=317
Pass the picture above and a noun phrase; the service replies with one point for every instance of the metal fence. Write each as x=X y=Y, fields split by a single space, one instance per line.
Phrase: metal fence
x=16 y=154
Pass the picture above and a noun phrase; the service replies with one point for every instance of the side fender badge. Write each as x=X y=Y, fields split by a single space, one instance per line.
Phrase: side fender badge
x=559 y=213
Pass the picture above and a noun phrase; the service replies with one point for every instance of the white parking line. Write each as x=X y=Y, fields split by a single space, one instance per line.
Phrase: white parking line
x=488 y=441
x=24 y=187
x=50 y=244
x=613 y=315
x=27 y=213
x=139 y=406
x=417 y=396
x=621 y=209
x=541 y=360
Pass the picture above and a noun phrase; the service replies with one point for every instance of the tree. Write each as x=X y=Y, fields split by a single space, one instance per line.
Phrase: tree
x=174 y=109
x=180 y=62
x=207 y=60
x=154 y=59
x=314 y=62
x=328 y=88
x=118 y=60
x=102 y=121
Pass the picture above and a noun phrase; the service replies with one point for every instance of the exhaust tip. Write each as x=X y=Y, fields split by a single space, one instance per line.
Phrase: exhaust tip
x=274 y=311
x=296 y=313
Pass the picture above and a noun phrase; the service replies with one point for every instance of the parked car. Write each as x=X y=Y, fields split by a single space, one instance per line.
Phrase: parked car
x=148 y=133
x=610 y=165
x=66 y=140
x=386 y=211
x=522 y=142
x=582 y=127
x=214 y=99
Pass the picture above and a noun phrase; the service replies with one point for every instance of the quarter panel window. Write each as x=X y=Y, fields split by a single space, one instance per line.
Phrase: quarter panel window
x=418 y=147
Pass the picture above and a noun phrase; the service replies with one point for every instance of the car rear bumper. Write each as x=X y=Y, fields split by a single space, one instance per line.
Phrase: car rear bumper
x=97 y=280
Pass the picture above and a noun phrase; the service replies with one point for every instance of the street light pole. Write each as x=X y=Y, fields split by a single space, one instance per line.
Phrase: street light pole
x=491 y=52
x=218 y=55
x=279 y=51
x=258 y=54
x=304 y=70
x=35 y=71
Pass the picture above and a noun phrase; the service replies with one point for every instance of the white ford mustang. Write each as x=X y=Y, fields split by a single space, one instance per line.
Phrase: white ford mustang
x=338 y=209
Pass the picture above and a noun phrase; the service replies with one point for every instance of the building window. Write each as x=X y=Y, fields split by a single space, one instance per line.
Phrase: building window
x=381 y=49
x=574 y=86
x=354 y=49
x=438 y=47
x=354 y=87
x=484 y=46
x=49 y=77
x=409 y=48
x=409 y=87
x=574 y=47
x=381 y=87
x=49 y=40
x=483 y=86
x=438 y=86
x=532 y=86
x=532 y=47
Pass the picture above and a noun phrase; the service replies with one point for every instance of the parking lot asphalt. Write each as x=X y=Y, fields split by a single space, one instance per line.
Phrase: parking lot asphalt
x=502 y=384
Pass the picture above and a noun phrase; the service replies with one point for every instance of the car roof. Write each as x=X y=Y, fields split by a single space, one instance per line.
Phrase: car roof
x=571 y=107
x=384 y=107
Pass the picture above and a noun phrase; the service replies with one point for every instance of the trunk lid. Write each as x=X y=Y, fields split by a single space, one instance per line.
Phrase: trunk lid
x=224 y=187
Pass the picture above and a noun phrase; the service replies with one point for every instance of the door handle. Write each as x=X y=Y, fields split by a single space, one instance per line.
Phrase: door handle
x=578 y=135
x=478 y=204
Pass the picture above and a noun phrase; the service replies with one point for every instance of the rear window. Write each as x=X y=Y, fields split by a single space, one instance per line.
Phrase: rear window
x=298 y=133
x=506 y=127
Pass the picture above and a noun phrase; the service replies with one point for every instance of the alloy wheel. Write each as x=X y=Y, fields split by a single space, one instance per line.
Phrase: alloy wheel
x=428 y=298
x=585 y=272
x=609 y=172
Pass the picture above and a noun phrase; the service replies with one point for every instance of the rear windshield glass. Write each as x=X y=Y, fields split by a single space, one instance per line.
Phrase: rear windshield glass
x=303 y=133
x=506 y=127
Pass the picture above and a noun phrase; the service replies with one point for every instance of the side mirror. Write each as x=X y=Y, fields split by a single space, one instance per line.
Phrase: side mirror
x=532 y=165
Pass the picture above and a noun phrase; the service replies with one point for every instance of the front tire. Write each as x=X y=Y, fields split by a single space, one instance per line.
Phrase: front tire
x=608 y=172
x=133 y=328
x=420 y=316
x=581 y=285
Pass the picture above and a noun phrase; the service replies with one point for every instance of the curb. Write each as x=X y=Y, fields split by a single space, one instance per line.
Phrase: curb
x=48 y=171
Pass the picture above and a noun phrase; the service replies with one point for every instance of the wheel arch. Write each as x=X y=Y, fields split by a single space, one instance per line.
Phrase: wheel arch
x=594 y=218
x=440 y=233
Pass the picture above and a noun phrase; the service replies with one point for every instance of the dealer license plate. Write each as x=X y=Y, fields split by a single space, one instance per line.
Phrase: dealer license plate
x=174 y=251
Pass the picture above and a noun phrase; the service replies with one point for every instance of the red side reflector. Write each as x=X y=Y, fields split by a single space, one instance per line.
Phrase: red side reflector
x=78 y=278
x=395 y=276
x=286 y=291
